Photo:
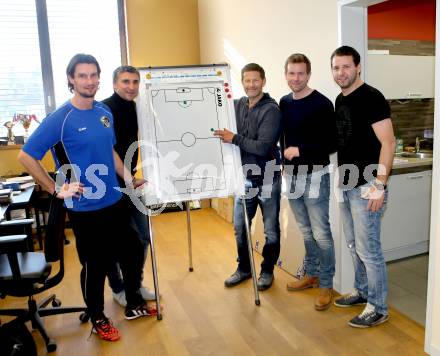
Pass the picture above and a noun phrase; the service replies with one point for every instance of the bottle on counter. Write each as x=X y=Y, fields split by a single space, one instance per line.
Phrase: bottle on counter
x=399 y=145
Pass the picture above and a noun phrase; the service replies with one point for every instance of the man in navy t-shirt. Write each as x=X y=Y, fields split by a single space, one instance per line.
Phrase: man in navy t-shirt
x=309 y=136
x=82 y=129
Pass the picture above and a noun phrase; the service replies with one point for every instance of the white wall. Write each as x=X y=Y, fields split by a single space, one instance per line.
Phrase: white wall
x=267 y=32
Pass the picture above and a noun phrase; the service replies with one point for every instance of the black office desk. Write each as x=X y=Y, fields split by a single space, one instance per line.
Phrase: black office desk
x=3 y=209
x=20 y=201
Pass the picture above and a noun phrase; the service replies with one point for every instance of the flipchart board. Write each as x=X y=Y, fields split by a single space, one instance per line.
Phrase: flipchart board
x=178 y=110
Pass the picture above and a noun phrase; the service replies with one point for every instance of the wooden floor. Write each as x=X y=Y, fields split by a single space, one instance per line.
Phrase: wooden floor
x=201 y=317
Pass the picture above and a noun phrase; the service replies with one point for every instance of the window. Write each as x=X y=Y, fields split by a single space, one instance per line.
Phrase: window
x=21 y=85
x=91 y=27
x=39 y=37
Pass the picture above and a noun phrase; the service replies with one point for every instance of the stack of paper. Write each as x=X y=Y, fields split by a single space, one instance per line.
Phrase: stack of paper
x=23 y=179
x=5 y=196
x=19 y=183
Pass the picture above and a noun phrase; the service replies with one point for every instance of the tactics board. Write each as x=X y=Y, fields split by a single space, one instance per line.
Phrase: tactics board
x=178 y=110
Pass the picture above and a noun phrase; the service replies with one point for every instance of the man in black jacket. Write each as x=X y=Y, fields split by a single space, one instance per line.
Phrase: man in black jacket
x=123 y=108
x=258 y=123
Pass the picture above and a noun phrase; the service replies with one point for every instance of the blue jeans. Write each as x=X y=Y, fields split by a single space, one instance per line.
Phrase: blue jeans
x=362 y=233
x=139 y=223
x=268 y=198
x=311 y=210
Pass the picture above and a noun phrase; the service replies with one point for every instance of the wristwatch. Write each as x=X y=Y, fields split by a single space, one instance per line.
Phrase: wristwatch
x=379 y=184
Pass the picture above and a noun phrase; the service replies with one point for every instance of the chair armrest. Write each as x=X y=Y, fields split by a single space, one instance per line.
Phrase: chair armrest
x=9 y=239
x=17 y=222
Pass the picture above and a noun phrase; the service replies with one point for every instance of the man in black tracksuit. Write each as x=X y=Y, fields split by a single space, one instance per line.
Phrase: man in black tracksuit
x=259 y=125
x=123 y=108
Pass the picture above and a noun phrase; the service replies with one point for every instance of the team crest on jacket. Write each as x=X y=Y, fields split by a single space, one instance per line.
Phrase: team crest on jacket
x=105 y=121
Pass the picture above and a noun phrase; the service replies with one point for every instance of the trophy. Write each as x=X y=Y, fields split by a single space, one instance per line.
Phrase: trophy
x=11 y=138
x=25 y=120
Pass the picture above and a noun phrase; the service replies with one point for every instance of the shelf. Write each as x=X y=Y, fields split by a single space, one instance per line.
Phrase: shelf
x=11 y=147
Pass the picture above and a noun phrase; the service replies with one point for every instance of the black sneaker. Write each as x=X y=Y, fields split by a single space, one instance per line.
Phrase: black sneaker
x=265 y=281
x=141 y=310
x=237 y=277
x=354 y=298
x=368 y=318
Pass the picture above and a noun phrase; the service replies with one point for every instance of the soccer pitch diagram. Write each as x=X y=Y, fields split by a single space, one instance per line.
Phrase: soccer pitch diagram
x=178 y=110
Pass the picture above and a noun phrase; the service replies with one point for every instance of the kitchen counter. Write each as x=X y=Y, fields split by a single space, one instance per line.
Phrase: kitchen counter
x=410 y=165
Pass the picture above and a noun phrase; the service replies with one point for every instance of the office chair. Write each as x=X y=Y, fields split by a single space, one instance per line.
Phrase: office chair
x=25 y=274
x=40 y=202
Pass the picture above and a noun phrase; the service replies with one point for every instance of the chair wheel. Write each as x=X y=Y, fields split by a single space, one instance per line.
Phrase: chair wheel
x=84 y=317
x=56 y=303
x=51 y=346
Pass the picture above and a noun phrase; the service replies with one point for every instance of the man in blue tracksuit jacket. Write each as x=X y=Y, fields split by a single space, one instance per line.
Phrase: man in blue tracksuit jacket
x=83 y=130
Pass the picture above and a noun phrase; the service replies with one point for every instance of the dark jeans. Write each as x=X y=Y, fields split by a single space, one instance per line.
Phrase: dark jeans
x=268 y=199
x=102 y=237
x=139 y=223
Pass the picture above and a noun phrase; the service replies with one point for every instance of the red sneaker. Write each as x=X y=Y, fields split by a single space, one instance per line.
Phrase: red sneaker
x=105 y=329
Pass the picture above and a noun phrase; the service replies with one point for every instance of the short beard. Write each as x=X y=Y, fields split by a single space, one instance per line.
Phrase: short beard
x=350 y=83
x=87 y=96
x=300 y=90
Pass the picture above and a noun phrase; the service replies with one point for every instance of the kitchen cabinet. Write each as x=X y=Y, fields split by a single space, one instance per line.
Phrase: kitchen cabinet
x=401 y=77
x=406 y=220
x=292 y=243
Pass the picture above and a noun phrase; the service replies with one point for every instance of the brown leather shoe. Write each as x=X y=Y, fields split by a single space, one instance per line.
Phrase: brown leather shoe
x=324 y=299
x=303 y=283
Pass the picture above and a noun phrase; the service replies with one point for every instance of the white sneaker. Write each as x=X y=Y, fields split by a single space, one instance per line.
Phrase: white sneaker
x=120 y=298
x=147 y=294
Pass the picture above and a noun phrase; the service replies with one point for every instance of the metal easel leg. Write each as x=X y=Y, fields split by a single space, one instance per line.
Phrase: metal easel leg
x=154 y=268
x=251 y=253
x=188 y=227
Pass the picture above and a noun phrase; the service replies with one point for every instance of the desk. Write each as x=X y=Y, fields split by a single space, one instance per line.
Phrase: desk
x=3 y=209
x=20 y=201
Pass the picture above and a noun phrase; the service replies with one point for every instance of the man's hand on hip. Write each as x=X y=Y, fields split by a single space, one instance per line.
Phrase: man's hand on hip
x=69 y=190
